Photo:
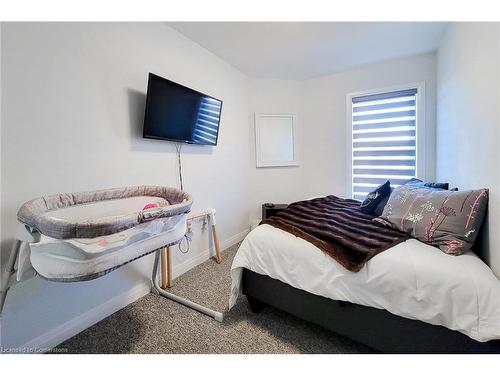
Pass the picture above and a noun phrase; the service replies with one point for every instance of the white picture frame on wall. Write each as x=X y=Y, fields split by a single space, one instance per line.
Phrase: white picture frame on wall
x=276 y=140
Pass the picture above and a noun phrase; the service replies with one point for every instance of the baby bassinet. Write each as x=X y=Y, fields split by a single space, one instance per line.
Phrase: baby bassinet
x=82 y=236
x=87 y=235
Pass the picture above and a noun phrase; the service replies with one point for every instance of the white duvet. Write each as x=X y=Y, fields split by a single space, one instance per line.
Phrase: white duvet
x=412 y=280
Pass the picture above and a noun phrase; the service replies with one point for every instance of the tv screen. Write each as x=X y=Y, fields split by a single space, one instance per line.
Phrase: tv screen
x=180 y=114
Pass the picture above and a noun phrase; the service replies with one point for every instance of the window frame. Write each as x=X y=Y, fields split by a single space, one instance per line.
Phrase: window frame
x=420 y=131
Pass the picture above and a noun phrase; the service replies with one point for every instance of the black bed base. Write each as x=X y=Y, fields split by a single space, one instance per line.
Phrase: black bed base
x=376 y=328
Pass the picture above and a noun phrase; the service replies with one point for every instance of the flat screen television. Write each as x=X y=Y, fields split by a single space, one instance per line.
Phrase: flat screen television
x=180 y=114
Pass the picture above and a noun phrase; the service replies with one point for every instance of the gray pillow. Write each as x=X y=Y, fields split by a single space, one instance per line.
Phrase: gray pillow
x=448 y=219
x=415 y=181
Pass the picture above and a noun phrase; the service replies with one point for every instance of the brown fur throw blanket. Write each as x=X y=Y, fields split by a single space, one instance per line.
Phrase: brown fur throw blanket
x=339 y=228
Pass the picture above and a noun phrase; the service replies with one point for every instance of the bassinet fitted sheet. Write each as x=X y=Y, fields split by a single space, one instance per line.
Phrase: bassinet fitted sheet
x=411 y=279
x=88 y=258
x=103 y=209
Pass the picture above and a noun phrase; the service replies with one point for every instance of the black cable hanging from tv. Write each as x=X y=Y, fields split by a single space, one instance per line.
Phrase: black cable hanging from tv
x=178 y=147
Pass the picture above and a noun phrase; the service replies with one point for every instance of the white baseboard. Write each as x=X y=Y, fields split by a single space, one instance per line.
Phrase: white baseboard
x=179 y=269
x=55 y=336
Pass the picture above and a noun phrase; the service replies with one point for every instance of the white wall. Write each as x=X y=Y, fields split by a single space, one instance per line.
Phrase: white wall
x=72 y=109
x=468 y=120
x=276 y=184
x=324 y=117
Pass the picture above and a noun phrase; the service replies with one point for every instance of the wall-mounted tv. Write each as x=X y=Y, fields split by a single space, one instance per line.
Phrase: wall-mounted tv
x=180 y=114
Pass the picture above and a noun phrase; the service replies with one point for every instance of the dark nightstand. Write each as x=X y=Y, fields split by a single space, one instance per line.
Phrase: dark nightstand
x=267 y=212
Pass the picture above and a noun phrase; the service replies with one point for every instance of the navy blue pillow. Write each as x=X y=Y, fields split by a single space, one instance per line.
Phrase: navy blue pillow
x=375 y=197
x=380 y=207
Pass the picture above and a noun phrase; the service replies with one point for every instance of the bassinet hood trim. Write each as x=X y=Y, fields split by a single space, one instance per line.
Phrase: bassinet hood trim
x=33 y=213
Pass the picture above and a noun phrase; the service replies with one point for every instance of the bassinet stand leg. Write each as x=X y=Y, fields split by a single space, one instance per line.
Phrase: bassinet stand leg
x=166 y=268
x=6 y=274
x=212 y=313
x=218 y=257
x=24 y=235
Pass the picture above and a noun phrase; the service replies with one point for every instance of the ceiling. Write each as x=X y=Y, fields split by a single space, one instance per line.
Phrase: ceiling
x=301 y=50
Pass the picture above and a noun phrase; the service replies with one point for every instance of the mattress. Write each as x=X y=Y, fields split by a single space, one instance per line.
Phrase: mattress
x=98 y=210
x=82 y=259
x=411 y=279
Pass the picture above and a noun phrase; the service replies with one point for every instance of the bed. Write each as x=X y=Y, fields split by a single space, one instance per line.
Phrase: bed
x=410 y=298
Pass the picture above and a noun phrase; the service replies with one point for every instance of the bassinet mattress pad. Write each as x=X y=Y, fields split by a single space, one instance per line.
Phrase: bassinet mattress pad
x=83 y=259
x=411 y=279
x=94 y=211
x=102 y=212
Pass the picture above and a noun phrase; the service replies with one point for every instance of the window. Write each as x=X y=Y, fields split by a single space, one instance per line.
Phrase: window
x=384 y=140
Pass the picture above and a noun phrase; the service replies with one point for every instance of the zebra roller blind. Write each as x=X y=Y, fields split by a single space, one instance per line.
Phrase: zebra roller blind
x=383 y=140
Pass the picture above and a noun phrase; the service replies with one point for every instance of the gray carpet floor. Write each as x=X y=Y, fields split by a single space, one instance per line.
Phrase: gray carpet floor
x=154 y=324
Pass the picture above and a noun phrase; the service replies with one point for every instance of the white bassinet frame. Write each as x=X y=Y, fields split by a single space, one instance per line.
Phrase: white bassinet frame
x=183 y=301
x=10 y=270
x=26 y=236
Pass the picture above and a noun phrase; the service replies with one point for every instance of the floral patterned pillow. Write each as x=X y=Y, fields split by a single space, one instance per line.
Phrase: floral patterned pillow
x=444 y=218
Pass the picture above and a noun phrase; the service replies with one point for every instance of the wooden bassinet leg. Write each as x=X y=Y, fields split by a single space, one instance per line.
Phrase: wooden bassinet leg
x=218 y=257
x=166 y=268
